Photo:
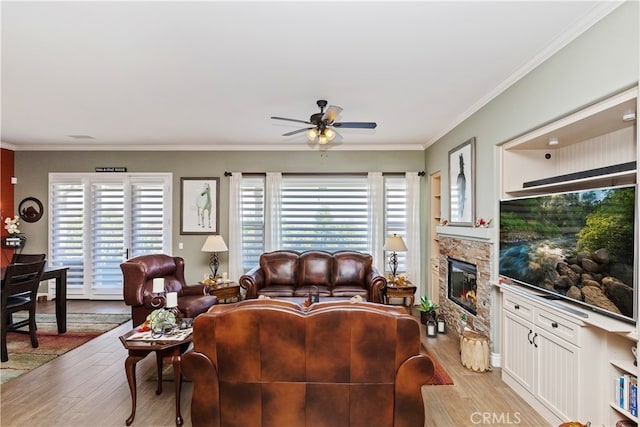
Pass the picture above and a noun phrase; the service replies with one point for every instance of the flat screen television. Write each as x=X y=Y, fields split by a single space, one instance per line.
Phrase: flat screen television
x=579 y=246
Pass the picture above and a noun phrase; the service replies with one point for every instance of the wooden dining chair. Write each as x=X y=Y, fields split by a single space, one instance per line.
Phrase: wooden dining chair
x=18 y=293
x=22 y=258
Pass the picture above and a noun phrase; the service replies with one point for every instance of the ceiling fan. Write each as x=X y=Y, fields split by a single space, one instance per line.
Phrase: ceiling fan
x=322 y=124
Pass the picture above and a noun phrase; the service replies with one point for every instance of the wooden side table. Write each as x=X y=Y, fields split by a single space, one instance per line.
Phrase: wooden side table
x=138 y=350
x=404 y=292
x=224 y=291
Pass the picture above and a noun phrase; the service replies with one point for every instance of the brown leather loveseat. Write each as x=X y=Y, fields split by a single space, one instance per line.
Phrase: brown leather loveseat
x=270 y=363
x=138 y=274
x=294 y=274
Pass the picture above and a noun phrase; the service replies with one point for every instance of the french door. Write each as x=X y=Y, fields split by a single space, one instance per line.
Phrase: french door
x=97 y=221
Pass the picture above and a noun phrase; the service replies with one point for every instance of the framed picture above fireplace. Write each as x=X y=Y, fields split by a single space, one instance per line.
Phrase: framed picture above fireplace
x=462 y=184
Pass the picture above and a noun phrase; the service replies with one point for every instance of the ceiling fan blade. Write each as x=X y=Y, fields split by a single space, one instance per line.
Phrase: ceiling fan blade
x=293 y=132
x=331 y=113
x=356 y=125
x=292 y=120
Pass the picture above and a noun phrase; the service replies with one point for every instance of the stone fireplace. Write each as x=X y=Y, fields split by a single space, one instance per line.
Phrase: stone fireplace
x=465 y=259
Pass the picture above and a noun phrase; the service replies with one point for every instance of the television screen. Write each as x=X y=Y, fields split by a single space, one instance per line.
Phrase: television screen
x=578 y=246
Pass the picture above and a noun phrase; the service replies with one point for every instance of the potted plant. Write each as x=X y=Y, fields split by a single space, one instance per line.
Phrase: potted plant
x=427 y=309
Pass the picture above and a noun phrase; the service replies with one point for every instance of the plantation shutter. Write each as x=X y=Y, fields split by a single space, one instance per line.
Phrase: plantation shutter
x=252 y=220
x=107 y=231
x=324 y=212
x=147 y=218
x=66 y=206
x=98 y=221
x=396 y=213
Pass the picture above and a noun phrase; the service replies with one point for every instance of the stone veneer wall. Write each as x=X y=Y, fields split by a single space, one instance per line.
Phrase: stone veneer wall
x=474 y=252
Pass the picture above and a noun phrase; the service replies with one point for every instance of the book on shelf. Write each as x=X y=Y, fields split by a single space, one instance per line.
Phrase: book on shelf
x=633 y=396
x=626 y=393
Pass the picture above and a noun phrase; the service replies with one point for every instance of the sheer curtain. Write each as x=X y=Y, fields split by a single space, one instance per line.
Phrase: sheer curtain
x=414 y=258
x=272 y=210
x=375 y=183
x=235 y=226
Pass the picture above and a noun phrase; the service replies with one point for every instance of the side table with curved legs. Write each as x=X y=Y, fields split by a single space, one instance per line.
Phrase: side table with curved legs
x=170 y=350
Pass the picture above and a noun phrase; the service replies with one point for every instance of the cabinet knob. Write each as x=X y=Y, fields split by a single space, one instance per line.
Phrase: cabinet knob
x=516 y=306
x=554 y=324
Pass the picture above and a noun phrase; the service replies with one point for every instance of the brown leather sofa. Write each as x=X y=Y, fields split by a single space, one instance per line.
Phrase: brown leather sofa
x=138 y=274
x=270 y=363
x=294 y=274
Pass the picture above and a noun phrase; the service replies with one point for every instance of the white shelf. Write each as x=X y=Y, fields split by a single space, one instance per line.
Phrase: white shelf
x=613 y=179
x=625 y=365
x=623 y=412
x=472 y=233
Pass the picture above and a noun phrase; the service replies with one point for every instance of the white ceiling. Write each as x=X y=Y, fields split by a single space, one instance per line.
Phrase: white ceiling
x=208 y=75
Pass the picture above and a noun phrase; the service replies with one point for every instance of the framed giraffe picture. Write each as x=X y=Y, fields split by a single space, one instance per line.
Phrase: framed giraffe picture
x=199 y=205
x=462 y=184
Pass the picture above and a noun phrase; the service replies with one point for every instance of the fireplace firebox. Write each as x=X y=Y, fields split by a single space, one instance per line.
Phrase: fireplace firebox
x=462 y=284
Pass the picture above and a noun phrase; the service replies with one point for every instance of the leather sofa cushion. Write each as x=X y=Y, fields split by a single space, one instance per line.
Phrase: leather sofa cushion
x=276 y=291
x=280 y=268
x=303 y=291
x=314 y=269
x=350 y=268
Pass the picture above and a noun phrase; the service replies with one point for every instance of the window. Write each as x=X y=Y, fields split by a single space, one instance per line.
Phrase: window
x=326 y=212
x=252 y=220
x=395 y=197
x=100 y=220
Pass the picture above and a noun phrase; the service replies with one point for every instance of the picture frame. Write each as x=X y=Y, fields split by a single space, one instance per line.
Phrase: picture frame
x=199 y=205
x=462 y=184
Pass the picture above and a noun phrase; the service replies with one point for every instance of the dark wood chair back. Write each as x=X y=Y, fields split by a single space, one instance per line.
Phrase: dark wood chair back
x=23 y=258
x=18 y=293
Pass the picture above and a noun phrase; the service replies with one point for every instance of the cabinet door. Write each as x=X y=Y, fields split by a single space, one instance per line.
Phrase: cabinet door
x=519 y=354
x=558 y=383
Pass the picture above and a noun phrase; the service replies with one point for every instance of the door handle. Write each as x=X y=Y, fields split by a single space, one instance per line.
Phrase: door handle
x=529 y=336
x=535 y=344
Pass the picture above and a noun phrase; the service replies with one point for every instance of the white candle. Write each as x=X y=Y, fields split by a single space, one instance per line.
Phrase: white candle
x=158 y=285
x=172 y=299
x=224 y=276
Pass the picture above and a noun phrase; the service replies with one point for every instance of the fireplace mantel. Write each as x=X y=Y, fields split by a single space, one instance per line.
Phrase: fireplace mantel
x=471 y=233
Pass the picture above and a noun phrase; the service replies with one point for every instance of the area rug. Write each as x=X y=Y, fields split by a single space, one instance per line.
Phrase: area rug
x=440 y=375
x=80 y=329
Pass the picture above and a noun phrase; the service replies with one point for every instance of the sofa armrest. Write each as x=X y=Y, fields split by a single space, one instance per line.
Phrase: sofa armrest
x=197 y=289
x=205 y=401
x=376 y=283
x=252 y=282
x=412 y=374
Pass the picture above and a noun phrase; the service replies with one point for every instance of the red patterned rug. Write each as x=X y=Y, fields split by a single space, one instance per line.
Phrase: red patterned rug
x=440 y=376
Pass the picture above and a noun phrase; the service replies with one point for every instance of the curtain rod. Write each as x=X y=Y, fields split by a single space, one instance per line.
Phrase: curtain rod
x=421 y=173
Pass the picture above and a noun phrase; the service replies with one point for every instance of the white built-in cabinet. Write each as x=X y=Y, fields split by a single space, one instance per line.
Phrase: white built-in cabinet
x=563 y=359
x=550 y=359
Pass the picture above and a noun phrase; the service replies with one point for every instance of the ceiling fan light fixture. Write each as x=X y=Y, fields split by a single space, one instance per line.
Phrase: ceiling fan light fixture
x=330 y=134
x=322 y=139
x=312 y=134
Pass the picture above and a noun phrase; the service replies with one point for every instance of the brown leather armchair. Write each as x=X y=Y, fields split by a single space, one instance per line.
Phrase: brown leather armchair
x=272 y=363
x=138 y=274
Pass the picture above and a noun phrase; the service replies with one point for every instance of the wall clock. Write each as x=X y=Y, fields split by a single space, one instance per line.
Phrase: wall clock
x=30 y=209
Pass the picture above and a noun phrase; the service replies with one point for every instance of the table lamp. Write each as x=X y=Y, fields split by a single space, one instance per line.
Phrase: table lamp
x=214 y=244
x=394 y=244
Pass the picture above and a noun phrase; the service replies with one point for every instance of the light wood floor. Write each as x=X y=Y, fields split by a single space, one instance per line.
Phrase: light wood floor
x=88 y=387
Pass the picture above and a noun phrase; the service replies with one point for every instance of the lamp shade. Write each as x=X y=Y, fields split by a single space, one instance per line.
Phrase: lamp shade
x=395 y=243
x=214 y=243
